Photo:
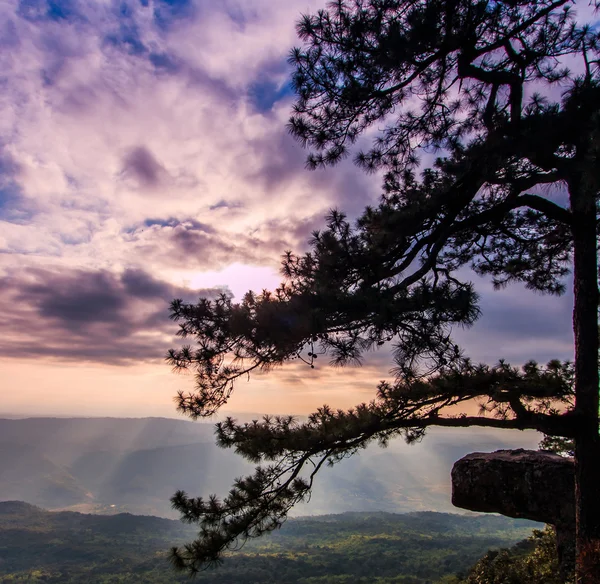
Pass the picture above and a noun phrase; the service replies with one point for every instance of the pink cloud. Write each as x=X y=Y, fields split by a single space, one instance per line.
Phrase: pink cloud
x=135 y=141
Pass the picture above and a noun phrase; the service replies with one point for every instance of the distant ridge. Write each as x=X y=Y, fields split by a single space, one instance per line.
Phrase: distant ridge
x=241 y=416
x=112 y=465
x=14 y=507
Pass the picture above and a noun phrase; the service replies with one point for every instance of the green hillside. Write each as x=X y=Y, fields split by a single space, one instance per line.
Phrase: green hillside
x=382 y=548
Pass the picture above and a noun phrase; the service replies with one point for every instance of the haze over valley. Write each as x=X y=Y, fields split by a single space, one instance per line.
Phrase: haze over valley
x=109 y=465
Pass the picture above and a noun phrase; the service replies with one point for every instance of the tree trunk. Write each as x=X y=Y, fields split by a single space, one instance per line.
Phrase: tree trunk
x=585 y=327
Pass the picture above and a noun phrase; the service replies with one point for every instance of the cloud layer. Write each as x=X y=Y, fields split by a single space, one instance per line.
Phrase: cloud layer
x=149 y=135
x=144 y=155
x=87 y=315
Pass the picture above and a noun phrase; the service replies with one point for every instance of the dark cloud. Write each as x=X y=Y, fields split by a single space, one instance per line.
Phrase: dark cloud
x=8 y=166
x=10 y=194
x=283 y=167
x=9 y=38
x=141 y=165
x=56 y=57
x=89 y=315
x=291 y=233
x=192 y=242
x=164 y=62
x=223 y=204
x=14 y=208
x=140 y=284
x=79 y=301
x=237 y=16
x=188 y=224
x=517 y=324
x=527 y=321
x=188 y=243
x=77 y=100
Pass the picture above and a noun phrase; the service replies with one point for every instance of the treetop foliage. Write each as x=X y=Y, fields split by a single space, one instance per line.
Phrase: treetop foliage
x=538 y=565
x=441 y=74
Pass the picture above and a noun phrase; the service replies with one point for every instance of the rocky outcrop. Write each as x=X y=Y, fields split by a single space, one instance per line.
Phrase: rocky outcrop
x=535 y=485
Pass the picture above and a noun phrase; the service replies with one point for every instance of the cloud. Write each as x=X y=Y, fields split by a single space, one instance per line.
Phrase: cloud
x=270 y=86
x=126 y=37
x=12 y=207
x=223 y=204
x=153 y=133
x=47 y=10
x=87 y=315
x=519 y=325
x=265 y=93
x=168 y=12
x=142 y=166
x=191 y=245
x=131 y=123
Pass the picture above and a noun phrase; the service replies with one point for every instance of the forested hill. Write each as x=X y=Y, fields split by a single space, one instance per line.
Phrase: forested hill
x=415 y=548
x=117 y=464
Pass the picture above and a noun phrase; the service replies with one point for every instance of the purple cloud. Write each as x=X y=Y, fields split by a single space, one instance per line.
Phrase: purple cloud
x=89 y=315
x=142 y=166
x=135 y=136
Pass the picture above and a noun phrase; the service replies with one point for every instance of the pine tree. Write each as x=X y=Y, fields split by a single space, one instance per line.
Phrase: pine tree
x=473 y=80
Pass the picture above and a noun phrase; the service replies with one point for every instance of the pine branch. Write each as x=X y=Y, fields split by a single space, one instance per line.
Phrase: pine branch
x=297 y=451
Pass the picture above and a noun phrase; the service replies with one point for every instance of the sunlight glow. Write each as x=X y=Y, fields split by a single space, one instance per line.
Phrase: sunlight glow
x=239 y=278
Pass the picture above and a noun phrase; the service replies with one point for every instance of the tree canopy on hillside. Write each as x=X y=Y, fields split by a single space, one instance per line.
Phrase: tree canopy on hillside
x=533 y=561
x=483 y=83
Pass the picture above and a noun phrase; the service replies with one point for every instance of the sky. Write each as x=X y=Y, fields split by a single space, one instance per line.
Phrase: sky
x=143 y=157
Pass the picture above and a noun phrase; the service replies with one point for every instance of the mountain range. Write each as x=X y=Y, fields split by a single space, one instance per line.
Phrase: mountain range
x=111 y=465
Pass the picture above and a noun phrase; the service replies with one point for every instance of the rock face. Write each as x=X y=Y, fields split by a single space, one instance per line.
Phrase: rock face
x=531 y=484
x=521 y=483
